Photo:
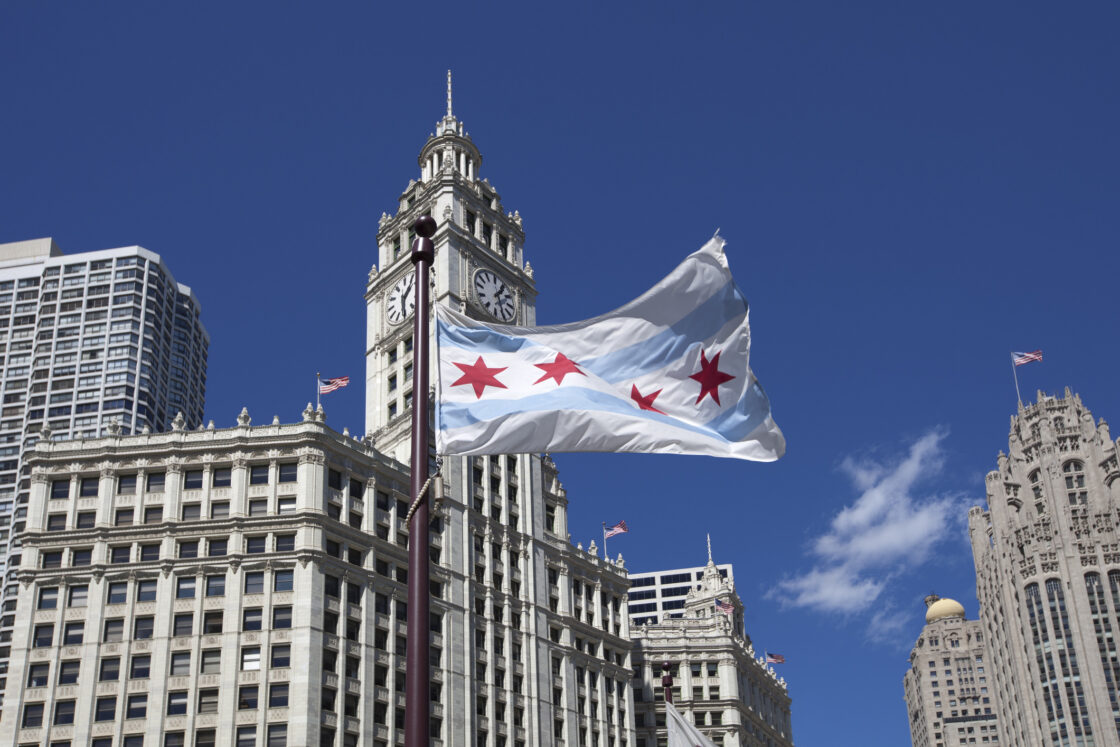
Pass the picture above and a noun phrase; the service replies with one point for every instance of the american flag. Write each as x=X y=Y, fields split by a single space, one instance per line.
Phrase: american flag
x=775 y=658
x=725 y=607
x=619 y=528
x=329 y=385
x=1020 y=359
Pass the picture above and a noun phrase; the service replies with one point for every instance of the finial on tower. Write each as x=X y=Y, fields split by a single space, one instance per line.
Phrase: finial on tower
x=449 y=93
x=709 y=548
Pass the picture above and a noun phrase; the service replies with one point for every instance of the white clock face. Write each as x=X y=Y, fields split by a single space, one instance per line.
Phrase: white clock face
x=402 y=299
x=494 y=295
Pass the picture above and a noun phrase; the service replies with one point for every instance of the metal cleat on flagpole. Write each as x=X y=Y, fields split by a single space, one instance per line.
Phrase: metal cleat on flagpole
x=416 y=705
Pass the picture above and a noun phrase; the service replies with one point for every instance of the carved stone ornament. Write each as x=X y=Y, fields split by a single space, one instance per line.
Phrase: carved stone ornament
x=308 y=413
x=179 y=423
x=165 y=568
x=114 y=427
x=243 y=418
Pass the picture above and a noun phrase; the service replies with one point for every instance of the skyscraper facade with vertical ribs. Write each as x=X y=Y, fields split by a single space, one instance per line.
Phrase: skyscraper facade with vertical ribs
x=1047 y=555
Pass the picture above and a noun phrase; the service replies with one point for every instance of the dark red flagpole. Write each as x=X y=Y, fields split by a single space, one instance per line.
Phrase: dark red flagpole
x=416 y=704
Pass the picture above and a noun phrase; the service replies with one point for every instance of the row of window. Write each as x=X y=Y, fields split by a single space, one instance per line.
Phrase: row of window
x=121 y=554
x=282 y=580
x=156 y=482
x=276 y=734
x=143 y=628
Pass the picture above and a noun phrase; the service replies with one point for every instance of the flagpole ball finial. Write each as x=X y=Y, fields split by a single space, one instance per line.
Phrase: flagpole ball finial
x=425 y=226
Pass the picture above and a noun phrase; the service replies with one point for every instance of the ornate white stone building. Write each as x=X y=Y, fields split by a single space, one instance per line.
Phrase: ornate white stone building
x=87 y=339
x=518 y=578
x=1047 y=555
x=660 y=595
x=947 y=689
x=719 y=682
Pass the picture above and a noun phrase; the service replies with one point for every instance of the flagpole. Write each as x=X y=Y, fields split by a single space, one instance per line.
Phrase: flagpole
x=1015 y=374
x=317 y=375
x=417 y=697
x=605 y=556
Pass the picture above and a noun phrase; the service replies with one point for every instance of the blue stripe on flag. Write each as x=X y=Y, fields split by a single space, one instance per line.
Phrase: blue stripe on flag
x=652 y=354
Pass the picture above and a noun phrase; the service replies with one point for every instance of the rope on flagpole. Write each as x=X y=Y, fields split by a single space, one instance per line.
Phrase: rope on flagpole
x=1015 y=374
x=424 y=490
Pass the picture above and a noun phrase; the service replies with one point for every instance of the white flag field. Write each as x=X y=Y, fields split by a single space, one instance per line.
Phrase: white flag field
x=681 y=732
x=666 y=373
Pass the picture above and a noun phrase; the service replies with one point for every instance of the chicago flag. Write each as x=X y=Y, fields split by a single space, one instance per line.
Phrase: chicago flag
x=666 y=373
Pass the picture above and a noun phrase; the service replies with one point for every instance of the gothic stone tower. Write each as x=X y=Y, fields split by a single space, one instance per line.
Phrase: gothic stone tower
x=541 y=651
x=1047 y=554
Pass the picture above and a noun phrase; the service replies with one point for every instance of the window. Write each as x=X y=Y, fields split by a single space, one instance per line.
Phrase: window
x=153 y=515
x=251 y=620
x=250 y=658
x=281 y=617
x=86 y=520
x=283 y=580
x=177 y=703
x=215 y=586
x=288 y=472
x=120 y=554
x=140 y=667
x=56 y=522
x=81 y=557
x=68 y=672
x=334 y=479
x=212 y=622
x=247 y=697
x=60 y=489
x=281 y=656
x=63 y=713
x=205 y=738
x=87 y=488
x=73 y=633
x=285 y=505
x=278 y=696
x=285 y=542
x=258 y=474
x=255 y=544
x=218 y=548
x=156 y=481
x=105 y=709
x=38 y=675
x=222 y=478
x=174 y=739
x=180 y=663
x=254 y=582
x=192 y=511
x=149 y=552
x=126 y=485
x=48 y=598
x=246 y=736
x=146 y=590
x=137 y=706
x=32 y=715
x=278 y=734
x=113 y=631
x=118 y=592
x=211 y=661
x=184 y=588
x=51 y=559
x=123 y=517
x=188 y=549
x=43 y=636
x=258 y=507
x=207 y=703
x=143 y=628
x=183 y=624
x=219 y=510
x=192 y=480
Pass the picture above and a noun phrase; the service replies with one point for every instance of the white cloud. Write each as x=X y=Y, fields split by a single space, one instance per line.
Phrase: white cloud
x=887 y=529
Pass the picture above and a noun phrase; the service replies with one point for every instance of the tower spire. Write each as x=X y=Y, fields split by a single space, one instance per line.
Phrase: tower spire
x=449 y=94
x=709 y=548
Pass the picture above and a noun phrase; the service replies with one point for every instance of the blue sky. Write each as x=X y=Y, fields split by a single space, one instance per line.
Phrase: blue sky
x=908 y=191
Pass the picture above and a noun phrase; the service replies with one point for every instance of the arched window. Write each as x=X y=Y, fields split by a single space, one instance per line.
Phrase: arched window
x=1075 y=482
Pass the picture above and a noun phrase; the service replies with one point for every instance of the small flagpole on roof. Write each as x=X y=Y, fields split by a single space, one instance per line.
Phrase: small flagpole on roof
x=1015 y=374
x=605 y=556
x=318 y=380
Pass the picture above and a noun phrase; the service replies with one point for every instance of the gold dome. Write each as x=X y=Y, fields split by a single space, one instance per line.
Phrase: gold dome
x=944 y=608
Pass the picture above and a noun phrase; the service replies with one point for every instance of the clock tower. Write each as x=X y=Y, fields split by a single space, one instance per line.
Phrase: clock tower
x=534 y=630
x=478 y=269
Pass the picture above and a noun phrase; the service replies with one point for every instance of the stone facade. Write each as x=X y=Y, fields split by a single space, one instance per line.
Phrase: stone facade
x=1047 y=555
x=946 y=688
x=660 y=595
x=719 y=682
x=89 y=343
x=518 y=576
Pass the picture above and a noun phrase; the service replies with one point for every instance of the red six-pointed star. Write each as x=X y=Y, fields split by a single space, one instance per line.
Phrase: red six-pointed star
x=558 y=369
x=644 y=402
x=710 y=377
x=479 y=376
